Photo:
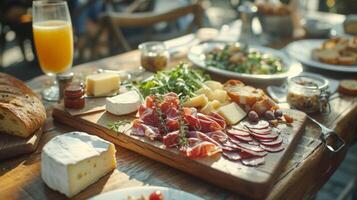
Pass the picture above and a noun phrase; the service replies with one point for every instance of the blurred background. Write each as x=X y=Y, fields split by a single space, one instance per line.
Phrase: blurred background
x=104 y=28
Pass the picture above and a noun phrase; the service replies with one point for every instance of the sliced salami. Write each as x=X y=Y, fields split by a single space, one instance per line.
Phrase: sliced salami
x=253 y=161
x=240 y=132
x=264 y=131
x=270 y=136
x=261 y=124
x=251 y=147
x=243 y=139
x=232 y=155
x=225 y=148
x=249 y=153
x=272 y=148
x=275 y=142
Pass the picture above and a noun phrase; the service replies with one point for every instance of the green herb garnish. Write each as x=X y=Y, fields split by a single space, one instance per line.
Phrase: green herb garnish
x=117 y=125
x=162 y=122
x=181 y=80
x=183 y=131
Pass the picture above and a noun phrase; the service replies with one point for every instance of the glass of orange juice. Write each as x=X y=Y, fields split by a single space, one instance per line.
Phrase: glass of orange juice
x=53 y=35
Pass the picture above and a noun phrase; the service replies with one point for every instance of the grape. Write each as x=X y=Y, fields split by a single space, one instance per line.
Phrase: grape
x=269 y=115
x=253 y=116
x=278 y=113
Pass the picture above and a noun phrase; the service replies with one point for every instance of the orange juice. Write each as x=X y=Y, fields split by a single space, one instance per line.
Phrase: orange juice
x=54 y=45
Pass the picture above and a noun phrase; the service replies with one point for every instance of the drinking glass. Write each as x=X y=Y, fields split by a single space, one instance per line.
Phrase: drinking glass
x=53 y=35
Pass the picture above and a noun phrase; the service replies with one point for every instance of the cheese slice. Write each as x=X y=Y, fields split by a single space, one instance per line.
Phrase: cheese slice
x=232 y=113
x=123 y=104
x=102 y=84
x=73 y=161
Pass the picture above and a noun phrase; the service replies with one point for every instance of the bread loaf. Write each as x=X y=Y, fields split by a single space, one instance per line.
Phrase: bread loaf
x=21 y=111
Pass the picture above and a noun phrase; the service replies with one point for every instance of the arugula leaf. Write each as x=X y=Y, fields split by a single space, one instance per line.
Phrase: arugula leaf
x=181 y=80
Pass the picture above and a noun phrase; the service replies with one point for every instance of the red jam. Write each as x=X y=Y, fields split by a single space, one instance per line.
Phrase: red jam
x=74 y=96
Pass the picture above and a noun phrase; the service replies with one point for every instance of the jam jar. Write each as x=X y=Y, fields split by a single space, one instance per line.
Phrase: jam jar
x=74 y=95
x=154 y=56
x=309 y=93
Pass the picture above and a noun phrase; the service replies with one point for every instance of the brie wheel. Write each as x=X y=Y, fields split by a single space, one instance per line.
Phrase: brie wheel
x=75 y=160
x=123 y=104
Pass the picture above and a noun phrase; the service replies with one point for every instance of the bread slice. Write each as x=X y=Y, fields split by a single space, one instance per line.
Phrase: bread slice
x=348 y=87
x=346 y=60
x=21 y=111
x=243 y=94
x=329 y=56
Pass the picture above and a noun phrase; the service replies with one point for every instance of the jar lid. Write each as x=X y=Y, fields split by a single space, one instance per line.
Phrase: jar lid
x=65 y=76
x=310 y=81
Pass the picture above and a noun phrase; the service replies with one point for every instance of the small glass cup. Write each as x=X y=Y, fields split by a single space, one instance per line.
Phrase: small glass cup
x=309 y=94
x=154 y=56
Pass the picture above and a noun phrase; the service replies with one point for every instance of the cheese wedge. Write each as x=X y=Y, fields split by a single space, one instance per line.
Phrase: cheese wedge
x=232 y=113
x=102 y=84
x=123 y=104
x=197 y=101
x=73 y=161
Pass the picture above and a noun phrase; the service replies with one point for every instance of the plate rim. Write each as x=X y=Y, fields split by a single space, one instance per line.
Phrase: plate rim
x=109 y=194
x=315 y=64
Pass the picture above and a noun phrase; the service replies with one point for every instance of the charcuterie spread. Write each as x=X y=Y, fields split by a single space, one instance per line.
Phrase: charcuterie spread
x=181 y=117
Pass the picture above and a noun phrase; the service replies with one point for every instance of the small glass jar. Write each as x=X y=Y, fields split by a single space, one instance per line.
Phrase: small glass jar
x=154 y=56
x=74 y=96
x=309 y=94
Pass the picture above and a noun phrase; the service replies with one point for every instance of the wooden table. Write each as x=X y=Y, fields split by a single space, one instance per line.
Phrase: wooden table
x=307 y=171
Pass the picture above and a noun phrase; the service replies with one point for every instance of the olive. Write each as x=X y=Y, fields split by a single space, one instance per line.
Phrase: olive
x=278 y=113
x=253 y=116
x=269 y=115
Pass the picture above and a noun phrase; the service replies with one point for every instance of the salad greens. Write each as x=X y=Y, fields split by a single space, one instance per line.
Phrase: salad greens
x=181 y=80
x=241 y=60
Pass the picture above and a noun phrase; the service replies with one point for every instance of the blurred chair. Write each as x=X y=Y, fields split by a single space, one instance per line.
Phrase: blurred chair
x=14 y=17
x=116 y=22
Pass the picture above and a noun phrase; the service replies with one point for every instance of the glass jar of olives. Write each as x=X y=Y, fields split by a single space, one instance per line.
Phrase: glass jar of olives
x=309 y=94
x=154 y=56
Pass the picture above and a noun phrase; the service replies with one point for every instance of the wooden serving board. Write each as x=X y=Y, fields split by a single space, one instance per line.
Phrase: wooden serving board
x=11 y=146
x=254 y=182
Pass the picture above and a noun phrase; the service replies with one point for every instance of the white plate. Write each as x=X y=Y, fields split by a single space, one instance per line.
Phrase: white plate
x=197 y=56
x=301 y=51
x=168 y=193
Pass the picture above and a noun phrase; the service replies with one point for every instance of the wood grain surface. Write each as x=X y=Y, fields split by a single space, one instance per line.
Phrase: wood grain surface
x=11 y=146
x=305 y=173
x=254 y=182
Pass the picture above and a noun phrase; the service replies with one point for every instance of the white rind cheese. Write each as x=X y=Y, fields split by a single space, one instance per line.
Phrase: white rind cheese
x=123 y=104
x=73 y=161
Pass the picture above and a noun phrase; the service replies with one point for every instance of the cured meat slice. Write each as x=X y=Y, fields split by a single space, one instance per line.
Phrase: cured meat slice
x=142 y=129
x=225 y=148
x=232 y=155
x=253 y=142
x=261 y=124
x=253 y=161
x=275 y=142
x=230 y=144
x=246 y=152
x=218 y=118
x=239 y=132
x=171 y=139
x=270 y=136
x=243 y=139
x=205 y=137
x=202 y=149
x=218 y=136
x=251 y=147
x=264 y=131
x=272 y=148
